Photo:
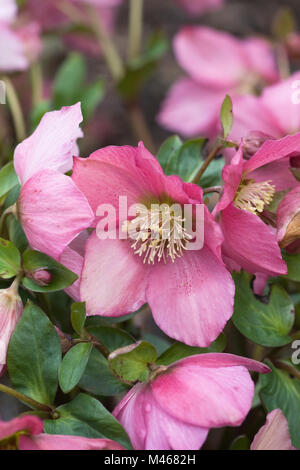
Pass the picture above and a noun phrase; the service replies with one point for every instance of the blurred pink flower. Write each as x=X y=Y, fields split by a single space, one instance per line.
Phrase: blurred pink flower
x=25 y=433
x=52 y=210
x=274 y=435
x=190 y=292
x=217 y=63
x=12 y=57
x=195 y=7
x=11 y=308
x=288 y=221
x=184 y=400
x=249 y=187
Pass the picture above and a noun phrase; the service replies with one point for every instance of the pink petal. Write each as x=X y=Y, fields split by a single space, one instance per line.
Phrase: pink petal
x=259 y=283
x=278 y=172
x=31 y=424
x=288 y=208
x=191 y=108
x=209 y=390
x=12 y=56
x=261 y=58
x=52 y=211
x=202 y=52
x=57 y=442
x=273 y=150
x=274 y=435
x=113 y=278
x=192 y=298
x=52 y=144
x=151 y=428
x=250 y=243
x=232 y=176
x=11 y=308
x=8 y=11
x=73 y=261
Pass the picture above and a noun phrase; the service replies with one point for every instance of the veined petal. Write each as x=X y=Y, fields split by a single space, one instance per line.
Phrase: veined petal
x=62 y=442
x=274 y=435
x=31 y=424
x=12 y=56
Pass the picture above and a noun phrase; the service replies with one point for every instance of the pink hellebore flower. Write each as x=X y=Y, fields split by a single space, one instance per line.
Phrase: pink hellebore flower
x=52 y=210
x=12 y=57
x=195 y=7
x=288 y=221
x=184 y=400
x=217 y=63
x=190 y=292
x=11 y=308
x=26 y=433
x=249 y=186
x=274 y=435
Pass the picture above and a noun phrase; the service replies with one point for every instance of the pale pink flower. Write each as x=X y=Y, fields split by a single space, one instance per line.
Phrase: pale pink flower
x=52 y=210
x=26 y=433
x=12 y=57
x=196 y=7
x=191 y=298
x=11 y=308
x=178 y=407
x=249 y=186
x=274 y=435
x=216 y=63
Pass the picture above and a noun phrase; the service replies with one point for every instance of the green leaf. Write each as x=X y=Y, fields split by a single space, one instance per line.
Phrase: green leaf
x=8 y=178
x=86 y=416
x=78 y=316
x=98 y=379
x=130 y=363
x=264 y=324
x=213 y=174
x=226 y=116
x=16 y=234
x=92 y=96
x=241 y=443
x=280 y=390
x=293 y=266
x=168 y=152
x=10 y=259
x=180 y=350
x=34 y=356
x=69 y=81
x=61 y=277
x=189 y=159
x=112 y=338
x=73 y=366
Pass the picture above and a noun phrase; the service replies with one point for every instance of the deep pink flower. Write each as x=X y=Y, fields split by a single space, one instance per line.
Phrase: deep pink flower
x=25 y=433
x=274 y=435
x=52 y=210
x=249 y=187
x=11 y=308
x=196 y=7
x=191 y=298
x=217 y=63
x=179 y=406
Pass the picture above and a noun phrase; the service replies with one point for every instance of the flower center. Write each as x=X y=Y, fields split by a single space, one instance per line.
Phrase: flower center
x=253 y=197
x=158 y=232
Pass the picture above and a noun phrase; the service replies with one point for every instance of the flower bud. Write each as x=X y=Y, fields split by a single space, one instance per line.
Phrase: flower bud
x=253 y=142
x=11 y=308
x=41 y=277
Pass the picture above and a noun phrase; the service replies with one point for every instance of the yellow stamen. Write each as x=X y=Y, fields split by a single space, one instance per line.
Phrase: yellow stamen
x=253 y=197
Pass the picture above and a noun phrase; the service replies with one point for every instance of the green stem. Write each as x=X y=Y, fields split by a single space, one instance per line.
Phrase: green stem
x=5 y=214
x=29 y=401
x=37 y=83
x=206 y=163
x=140 y=127
x=135 y=28
x=16 y=110
x=111 y=54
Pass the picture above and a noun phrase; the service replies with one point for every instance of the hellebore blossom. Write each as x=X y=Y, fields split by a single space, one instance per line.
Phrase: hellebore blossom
x=12 y=56
x=196 y=7
x=51 y=209
x=182 y=402
x=190 y=292
x=217 y=63
x=288 y=221
x=11 y=308
x=249 y=186
x=26 y=433
x=274 y=435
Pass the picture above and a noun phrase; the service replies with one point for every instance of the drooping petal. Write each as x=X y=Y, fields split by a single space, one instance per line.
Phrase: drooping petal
x=12 y=57
x=274 y=435
x=192 y=298
x=150 y=428
x=250 y=243
x=191 y=108
x=209 y=390
x=288 y=218
x=52 y=144
x=11 y=308
x=203 y=52
x=52 y=211
x=113 y=278
x=31 y=424
x=61 y=442
x=278 y=173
